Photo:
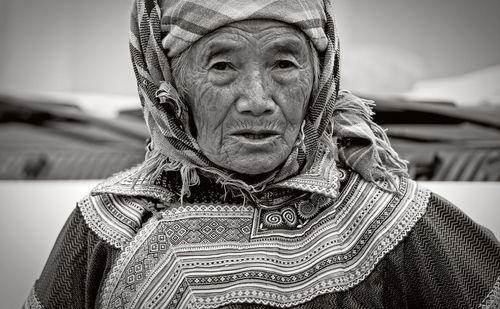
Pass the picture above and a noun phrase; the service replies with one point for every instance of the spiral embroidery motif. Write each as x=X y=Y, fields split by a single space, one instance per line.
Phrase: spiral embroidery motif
x=307 y=209
x=299 y=212
x=289 y=216
x=273 y=219
x=319 y=199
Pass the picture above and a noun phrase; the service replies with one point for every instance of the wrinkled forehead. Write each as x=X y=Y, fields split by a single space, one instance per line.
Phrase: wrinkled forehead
x=185 y=22
x=255 y=31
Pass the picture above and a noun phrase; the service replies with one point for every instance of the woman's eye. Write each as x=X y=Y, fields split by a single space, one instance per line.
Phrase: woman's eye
x=221 y=66
x=284 y=64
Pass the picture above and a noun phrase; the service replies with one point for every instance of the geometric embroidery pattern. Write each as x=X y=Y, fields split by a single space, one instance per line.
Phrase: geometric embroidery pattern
x=114 y=218
x=182 y=227
x=206 y=256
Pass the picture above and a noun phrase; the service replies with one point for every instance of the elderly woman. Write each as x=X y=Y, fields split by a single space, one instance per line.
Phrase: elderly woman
x=264 y=186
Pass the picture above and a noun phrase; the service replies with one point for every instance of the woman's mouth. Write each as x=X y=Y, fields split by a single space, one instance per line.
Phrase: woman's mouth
x=256 y=136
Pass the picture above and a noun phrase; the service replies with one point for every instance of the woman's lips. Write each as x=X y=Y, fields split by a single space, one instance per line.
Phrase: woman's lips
x=256 y=136
x=255 y=133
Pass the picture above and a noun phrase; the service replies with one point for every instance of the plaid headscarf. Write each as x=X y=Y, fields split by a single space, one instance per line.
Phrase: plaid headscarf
x=161 y=29
x=184 y=22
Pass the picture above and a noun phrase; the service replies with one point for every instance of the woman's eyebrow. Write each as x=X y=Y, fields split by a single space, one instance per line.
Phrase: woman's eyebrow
x=286 y=45
x=220 y=47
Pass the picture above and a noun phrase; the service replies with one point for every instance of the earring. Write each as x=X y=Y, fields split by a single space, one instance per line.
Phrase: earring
x=299 y=143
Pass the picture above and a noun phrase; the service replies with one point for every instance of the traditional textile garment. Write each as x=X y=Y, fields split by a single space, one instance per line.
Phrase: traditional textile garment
x=368 y=248
x=337 y=226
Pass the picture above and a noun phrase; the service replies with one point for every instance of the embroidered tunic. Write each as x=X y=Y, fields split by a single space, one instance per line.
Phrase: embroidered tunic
x=367 y=248
x=310 y=236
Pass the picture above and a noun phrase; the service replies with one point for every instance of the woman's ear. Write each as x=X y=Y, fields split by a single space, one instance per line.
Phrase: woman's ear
x=180 y=65
x=316 y=69
x=191 y=124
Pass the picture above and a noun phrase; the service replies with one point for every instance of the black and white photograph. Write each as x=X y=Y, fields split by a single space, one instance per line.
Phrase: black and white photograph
x=243 y=154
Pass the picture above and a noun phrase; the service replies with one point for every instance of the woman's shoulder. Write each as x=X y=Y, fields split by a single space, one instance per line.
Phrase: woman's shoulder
x=117 y=207
x=460 y=255
x=400 y=193
x=114 y=218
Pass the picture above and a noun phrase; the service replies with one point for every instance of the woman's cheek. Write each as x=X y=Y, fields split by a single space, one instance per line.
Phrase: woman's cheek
x=303 y=89
x=285 y=78
x=293 y=100
x=221 y=79
x=300 y=80
x=206 y=107
x=212 y=105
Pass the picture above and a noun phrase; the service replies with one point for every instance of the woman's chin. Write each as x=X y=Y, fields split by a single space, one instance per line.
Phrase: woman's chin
x=254 y=165
x=254 y=169
x=250 y=159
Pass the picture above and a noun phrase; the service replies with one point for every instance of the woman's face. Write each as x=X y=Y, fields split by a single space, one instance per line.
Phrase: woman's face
x=248 y=85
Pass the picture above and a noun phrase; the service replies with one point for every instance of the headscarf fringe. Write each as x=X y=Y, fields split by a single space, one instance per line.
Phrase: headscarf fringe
x=189 y=177
x=154 y=165
x=167 y=93
x=349 y=103
x=385 y=163
x=157 y=163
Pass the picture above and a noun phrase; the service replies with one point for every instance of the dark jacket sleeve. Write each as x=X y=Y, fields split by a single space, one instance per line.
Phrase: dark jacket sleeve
x=75 y=269
x=450 y=261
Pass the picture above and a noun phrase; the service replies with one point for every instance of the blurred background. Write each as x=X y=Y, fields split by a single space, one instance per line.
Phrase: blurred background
x=81 y=46
x=69 y=102
x=69 y=111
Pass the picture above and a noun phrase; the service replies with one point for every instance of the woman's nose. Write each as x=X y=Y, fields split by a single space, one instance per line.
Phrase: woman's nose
x=255 y=98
